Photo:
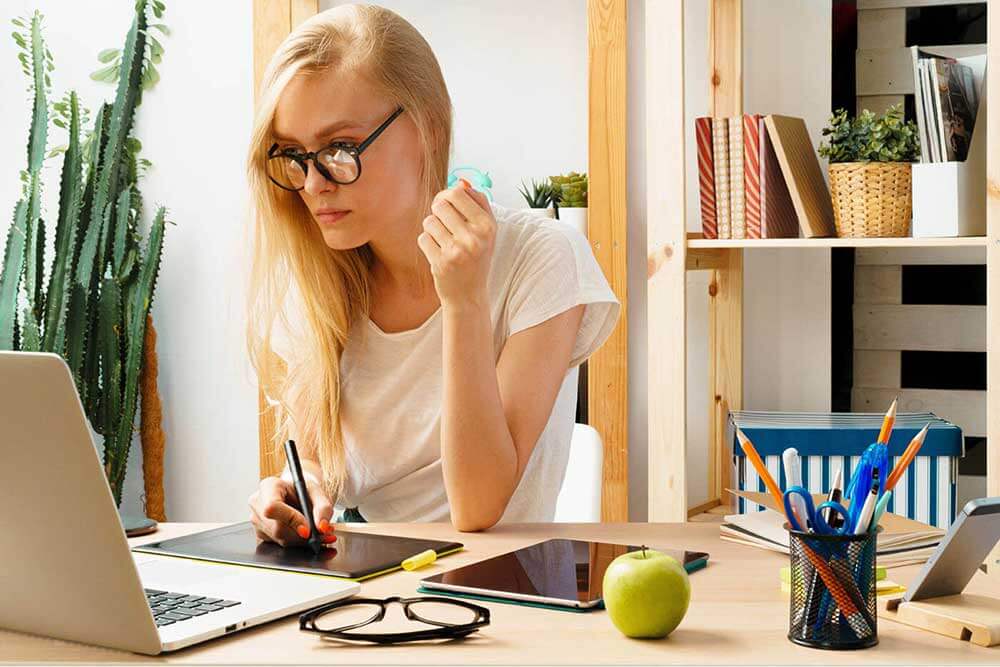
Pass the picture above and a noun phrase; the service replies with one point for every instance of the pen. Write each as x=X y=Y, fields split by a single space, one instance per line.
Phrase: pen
x=833 y=519
x=292 y=455
x=883 y=502
x=865 y=516
x=793 y=476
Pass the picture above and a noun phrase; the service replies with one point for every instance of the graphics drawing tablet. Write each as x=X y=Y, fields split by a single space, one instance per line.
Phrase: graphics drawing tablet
x=354 y=556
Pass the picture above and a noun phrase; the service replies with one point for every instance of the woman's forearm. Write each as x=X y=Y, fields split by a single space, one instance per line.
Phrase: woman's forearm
x=477 y=451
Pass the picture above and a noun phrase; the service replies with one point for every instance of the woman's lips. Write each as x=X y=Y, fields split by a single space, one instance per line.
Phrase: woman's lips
x=330 y=217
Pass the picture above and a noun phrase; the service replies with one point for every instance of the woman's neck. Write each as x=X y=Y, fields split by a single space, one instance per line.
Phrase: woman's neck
x=400 y=266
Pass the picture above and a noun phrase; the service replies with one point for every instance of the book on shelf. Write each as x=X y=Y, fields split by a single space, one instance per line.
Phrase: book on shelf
x=737 y=209
x=720 y=147
x=751 y=174
x=777 y=213
x=706 y=177
x=743 y=190
x=803 y=175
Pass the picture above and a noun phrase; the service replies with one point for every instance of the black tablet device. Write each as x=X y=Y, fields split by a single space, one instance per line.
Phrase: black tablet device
x=353 y=556
x=555 y=573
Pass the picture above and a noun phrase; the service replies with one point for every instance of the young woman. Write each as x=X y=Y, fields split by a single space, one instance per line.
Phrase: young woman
x=431 y=338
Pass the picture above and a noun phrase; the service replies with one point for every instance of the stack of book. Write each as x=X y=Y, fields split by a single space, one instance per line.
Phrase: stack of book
x=759 y=177
x=902 y=542
x=945 y=103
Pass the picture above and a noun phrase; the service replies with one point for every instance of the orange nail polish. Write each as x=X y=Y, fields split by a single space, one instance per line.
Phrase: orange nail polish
x=327 y=539
x=324 y=526
x=465 y=183
x=303 y=532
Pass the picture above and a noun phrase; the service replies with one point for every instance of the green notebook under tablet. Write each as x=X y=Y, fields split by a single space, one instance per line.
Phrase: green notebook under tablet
x=557 y=574
x=354 y=556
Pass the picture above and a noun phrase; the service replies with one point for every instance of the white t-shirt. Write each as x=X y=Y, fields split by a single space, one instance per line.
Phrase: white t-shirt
x=391 y=383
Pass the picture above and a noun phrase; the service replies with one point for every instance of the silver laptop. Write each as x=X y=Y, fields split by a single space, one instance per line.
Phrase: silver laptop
x=66 y=570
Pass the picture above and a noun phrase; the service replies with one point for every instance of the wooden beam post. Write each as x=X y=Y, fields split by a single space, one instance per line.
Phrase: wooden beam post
x=273 y=20
x=607 y=381
x=667 y=258
x=993 y=264
x=725 y=309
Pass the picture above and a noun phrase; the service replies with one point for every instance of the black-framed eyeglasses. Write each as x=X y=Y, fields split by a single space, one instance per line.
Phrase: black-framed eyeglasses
x=339 y=162
x=451 y=619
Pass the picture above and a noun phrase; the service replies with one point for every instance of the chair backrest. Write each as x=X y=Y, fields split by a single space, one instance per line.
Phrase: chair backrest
x=579 y=498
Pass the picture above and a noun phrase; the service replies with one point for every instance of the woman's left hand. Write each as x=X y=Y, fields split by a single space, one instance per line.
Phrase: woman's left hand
x=458 y=242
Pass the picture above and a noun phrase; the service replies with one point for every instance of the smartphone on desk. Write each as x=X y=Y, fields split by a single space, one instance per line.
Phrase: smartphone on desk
x=964 y=548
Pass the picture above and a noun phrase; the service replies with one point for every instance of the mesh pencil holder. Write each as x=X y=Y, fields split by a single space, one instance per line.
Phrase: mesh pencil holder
x=832 y=602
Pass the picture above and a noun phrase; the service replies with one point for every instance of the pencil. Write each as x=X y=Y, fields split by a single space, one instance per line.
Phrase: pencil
x=887 y=423
x=758 y=464
x=907 y=458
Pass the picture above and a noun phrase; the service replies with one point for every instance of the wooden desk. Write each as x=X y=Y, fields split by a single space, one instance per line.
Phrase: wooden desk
x=737 y=615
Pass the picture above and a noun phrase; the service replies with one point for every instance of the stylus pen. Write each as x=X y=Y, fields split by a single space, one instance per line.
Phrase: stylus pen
x=292 y=455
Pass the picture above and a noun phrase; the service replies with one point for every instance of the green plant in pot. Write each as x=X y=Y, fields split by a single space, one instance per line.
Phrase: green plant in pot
x=870 y=172
x=570 y=199
x=94 y=308
x=538 y=194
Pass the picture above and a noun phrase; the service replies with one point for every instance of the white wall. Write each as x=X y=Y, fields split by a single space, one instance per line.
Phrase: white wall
x=516 y=71
x=202 y=103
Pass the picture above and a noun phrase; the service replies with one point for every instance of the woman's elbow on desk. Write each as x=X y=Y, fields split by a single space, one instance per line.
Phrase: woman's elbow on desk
x=473 y=521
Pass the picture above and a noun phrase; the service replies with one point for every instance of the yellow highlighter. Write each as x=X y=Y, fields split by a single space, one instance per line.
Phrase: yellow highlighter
x=420 y=560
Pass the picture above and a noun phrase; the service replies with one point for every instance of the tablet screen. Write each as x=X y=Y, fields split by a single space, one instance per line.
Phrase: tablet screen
x=561 y=569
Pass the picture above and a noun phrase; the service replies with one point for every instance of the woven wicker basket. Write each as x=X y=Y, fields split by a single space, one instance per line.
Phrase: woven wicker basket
x=871 y=199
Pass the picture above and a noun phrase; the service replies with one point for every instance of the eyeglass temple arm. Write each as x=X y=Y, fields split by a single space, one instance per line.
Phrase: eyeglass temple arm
x=381 y=128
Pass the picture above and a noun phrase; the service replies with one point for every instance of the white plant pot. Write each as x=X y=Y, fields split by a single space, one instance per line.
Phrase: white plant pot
x=576 y=216
x=545 y=212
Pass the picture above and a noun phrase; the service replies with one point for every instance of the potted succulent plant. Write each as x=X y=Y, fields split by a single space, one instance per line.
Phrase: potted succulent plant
x=538 y=195
x=870 y=172
x=569 y=199
x=94 y=310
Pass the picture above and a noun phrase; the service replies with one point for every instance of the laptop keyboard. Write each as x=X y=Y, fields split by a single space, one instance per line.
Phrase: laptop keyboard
x=171 y=608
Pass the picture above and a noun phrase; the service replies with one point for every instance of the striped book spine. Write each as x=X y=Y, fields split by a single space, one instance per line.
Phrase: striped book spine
x=737 y=209
x=720 y=149
x=777 y=213
x=706 y=177
x=751 y=174
x=927 y=491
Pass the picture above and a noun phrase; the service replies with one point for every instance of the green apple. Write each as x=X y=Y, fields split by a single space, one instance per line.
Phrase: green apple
x=646 y=593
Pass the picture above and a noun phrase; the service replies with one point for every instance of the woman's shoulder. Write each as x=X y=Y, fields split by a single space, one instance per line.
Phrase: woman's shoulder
x=524 y=234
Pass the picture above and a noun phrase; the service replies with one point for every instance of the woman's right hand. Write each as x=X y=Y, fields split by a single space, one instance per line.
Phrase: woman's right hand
x=276 y=514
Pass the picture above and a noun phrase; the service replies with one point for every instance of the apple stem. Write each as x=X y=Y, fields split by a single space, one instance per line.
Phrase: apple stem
x=643 y=550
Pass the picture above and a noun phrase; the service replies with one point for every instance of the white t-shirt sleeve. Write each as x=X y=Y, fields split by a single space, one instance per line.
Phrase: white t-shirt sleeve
x=556 y=271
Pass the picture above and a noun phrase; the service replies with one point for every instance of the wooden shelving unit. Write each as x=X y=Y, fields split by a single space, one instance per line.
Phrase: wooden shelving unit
x=672 y=252
x=964 y=241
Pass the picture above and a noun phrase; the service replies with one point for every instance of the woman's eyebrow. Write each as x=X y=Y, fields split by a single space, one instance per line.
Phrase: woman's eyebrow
x=326 y=131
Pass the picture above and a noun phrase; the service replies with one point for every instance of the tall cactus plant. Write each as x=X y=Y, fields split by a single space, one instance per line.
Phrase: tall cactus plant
x=93 y=310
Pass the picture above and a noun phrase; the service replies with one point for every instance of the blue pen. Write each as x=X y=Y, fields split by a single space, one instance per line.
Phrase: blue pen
x=880 y=508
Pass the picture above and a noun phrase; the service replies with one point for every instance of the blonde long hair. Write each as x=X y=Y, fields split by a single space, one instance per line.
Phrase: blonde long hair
x=334 y=286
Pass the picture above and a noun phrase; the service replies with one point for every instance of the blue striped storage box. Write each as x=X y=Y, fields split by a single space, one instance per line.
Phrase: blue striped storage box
x=826 y=442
